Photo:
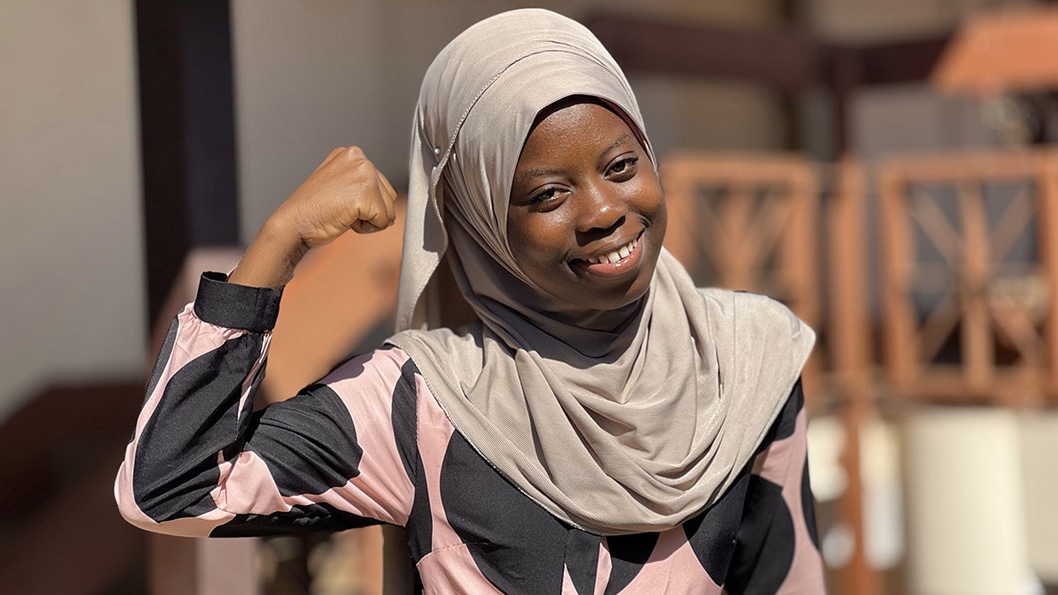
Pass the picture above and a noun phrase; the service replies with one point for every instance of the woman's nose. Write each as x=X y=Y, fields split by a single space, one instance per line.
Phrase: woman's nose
x=600 y=210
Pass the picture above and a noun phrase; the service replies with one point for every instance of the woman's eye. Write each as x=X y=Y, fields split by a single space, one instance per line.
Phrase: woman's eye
x=544 y=196
x=625 y=166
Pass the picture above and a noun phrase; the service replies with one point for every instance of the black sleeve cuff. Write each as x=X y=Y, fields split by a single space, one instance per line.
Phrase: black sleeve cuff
x=236 y=306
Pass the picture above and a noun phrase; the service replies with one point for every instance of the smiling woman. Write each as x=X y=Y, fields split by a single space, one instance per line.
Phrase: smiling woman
x=588 y=220
x=601 y=425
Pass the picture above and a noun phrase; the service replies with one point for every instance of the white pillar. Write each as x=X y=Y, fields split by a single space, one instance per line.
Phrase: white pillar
x=966 y=519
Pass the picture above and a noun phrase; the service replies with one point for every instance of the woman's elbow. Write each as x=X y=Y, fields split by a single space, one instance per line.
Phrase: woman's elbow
x=129 y=509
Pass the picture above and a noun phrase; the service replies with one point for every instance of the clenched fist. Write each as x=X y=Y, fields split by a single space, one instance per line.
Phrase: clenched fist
x=345 y=192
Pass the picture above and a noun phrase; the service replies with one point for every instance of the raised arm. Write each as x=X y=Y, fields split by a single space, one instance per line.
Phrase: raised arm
x=202 y=463
x=345 y=192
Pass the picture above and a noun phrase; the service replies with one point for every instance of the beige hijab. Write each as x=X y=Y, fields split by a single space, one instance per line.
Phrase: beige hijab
x=616 y=422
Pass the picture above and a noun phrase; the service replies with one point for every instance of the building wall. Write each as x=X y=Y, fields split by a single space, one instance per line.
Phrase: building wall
x=71 y=275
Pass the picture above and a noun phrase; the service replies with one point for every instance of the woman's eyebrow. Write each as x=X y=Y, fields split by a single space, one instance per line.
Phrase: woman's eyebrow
x=617 y=143
x=536 y=172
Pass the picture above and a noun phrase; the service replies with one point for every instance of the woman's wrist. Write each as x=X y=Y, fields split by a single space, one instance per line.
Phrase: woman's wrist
x=271 y=257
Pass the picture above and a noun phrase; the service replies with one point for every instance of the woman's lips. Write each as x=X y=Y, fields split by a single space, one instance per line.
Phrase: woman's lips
x=616 y=262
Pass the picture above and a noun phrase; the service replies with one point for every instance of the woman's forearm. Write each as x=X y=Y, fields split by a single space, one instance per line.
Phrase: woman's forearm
x=272 y=256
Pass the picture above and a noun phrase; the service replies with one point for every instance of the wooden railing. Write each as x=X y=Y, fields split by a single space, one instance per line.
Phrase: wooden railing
x=748 y=223
x=753 y=222
x=970 y=260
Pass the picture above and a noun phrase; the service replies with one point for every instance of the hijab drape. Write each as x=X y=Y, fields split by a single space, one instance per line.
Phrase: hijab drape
x=616 y=422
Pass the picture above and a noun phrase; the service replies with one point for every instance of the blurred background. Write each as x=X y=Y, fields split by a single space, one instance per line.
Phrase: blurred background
x=886 y=167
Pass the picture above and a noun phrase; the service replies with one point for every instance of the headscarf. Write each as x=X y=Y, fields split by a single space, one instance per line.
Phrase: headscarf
x=615 y=422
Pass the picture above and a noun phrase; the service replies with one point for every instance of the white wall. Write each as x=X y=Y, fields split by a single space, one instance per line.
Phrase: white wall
x=902 y=119
x=71 y=272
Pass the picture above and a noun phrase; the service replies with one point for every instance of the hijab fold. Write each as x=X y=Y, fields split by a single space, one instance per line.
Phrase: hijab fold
x=616 y=422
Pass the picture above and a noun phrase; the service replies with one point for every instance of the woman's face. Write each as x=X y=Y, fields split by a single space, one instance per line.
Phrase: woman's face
x=587 y=213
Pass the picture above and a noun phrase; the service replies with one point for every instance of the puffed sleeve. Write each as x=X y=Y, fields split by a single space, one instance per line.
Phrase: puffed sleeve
x=201 y=462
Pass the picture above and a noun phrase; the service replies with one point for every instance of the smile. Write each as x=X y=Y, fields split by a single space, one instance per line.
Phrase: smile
x=619 y=263
x=615 y=256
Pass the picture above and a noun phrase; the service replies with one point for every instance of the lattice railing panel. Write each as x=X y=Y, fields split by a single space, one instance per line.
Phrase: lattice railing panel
x=970 y=253
x=749 y=223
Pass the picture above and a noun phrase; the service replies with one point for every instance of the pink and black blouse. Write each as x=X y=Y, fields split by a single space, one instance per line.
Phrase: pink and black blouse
x=369 y=444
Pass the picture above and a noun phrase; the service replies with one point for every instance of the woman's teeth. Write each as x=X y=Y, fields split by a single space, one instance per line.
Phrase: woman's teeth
x=615 y=256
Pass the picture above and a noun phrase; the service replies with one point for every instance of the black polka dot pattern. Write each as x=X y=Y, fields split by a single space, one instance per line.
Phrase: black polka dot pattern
x=515 y=543
x=712 y=533
x=628 y=554
x=764 y=549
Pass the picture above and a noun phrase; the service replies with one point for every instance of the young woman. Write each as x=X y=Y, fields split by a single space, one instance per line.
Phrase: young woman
x=599 y=425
